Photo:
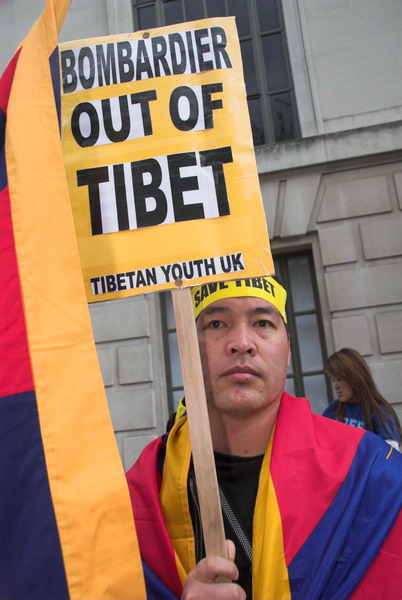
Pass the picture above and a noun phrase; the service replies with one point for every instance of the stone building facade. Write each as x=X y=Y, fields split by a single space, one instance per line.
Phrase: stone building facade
x=334 y=192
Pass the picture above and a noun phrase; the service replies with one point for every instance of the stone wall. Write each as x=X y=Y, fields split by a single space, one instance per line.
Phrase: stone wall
x=129 y=344
x=350 y=214
x=345 y=58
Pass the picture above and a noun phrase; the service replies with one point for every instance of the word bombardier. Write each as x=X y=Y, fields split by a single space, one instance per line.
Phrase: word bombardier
x=156 y=191
x=122 y=62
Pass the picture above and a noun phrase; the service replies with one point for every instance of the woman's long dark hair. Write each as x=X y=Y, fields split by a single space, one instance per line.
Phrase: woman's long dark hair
x=349 y=365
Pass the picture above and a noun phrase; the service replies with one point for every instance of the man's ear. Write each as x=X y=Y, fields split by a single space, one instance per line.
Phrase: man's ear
x=289 y=352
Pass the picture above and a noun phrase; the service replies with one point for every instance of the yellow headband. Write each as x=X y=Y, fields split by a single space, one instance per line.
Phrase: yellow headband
x=260 y=287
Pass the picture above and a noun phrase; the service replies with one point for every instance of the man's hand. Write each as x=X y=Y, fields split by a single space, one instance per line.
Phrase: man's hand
x=200 y=583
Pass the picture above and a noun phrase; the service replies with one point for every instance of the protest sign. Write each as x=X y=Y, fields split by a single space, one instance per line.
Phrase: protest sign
x=159 y=159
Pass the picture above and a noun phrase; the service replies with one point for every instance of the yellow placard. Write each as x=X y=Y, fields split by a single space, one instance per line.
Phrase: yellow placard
x=160 y=161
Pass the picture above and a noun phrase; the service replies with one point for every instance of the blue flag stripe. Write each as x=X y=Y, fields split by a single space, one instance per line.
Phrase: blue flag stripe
x=3 y=170
x=55 y=72
x=352 y=530
x=31 y=563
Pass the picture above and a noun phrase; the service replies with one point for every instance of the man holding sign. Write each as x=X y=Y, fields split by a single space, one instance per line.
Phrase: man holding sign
x=299 y=492
x=164 y=192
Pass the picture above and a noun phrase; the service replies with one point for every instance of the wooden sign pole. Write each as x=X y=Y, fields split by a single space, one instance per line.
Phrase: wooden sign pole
x=198 y=422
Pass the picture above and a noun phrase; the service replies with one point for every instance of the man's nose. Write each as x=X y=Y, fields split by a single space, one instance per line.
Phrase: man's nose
x=241 y=341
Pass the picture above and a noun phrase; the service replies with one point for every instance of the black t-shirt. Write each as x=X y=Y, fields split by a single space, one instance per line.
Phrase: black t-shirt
x=238 y=478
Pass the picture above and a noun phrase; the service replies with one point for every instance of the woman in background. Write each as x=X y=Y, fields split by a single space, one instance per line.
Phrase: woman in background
x=359 y=402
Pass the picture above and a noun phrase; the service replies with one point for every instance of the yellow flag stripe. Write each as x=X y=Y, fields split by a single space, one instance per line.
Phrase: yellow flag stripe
x=270 y=574
x=87 y=481
x=174 y=500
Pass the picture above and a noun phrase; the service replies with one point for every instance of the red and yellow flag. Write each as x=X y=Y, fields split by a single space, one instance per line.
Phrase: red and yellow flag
x=66 y=526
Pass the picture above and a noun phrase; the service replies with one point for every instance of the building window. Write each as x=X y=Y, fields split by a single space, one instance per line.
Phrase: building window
x=269 y=85
x=305 y=374
x=174 y=382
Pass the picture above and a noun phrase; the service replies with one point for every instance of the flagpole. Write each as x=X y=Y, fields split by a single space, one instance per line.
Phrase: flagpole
x=198 y=422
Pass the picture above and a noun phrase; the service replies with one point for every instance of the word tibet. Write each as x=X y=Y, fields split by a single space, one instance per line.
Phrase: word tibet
x=169 y=273
x=260 y=283
x=122 y=62
x=156 y=191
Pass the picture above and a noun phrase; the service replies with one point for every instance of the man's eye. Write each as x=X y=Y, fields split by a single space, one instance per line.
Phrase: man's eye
x=263 y=323
x=215 y=324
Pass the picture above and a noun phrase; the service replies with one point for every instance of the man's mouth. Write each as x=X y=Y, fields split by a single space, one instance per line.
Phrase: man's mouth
x=241 y=374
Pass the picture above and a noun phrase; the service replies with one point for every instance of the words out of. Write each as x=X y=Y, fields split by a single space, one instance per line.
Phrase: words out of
x=128 y=117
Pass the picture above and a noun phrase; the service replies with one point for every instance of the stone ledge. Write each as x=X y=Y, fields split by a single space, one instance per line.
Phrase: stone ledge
x=329 y=147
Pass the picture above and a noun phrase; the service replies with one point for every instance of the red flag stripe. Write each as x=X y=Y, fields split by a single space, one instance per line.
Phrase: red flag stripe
x=15 y=372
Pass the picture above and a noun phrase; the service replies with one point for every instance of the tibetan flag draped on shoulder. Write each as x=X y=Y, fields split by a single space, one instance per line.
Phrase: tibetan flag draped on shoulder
x=327 y=520
x=66 y=526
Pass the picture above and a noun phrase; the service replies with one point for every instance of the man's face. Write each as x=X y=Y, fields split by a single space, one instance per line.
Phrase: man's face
x=245 y=353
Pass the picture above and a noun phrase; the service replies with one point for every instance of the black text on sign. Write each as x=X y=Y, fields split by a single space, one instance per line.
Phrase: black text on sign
x=157 y=191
